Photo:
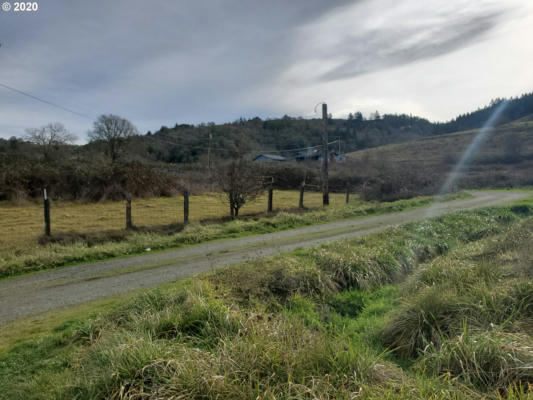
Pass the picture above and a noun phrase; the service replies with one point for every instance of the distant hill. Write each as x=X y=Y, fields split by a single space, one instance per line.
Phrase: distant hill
x=515 y=109
x=504 y=159
x=392 y=156
x=284 y=136
x=188 y=144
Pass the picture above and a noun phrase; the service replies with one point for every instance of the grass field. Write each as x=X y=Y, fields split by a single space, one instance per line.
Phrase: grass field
x=439 y=309
x=22 y=253
x=22 y=225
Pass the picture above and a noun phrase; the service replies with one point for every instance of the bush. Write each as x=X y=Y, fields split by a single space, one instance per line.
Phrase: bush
x=80 y=180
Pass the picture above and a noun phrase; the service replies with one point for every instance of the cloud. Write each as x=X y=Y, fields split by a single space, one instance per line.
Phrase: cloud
x=167 y=61
x=373 y=36
x=380 y=49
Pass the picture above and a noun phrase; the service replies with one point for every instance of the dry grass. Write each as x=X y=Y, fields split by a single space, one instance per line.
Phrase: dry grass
x=23 y=224
x=447 y=149
x=492 y=164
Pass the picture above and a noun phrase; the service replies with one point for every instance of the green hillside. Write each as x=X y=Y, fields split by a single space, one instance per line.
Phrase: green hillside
x=189 y=143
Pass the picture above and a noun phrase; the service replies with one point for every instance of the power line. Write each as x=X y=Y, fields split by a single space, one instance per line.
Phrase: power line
x=160 y=137
x=301 y=148
x=45 y=101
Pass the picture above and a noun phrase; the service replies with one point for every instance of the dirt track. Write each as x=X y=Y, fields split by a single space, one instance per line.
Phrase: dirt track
x=49 y=290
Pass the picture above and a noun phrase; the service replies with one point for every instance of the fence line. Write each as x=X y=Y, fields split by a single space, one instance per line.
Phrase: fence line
x=24 y=224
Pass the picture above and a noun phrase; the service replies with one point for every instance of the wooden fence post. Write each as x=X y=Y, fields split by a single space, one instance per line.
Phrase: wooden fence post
x=186 y=206
x=347 y=193
x=47 y=228
x=129 y=224
x=301 y=202
x=270 y=196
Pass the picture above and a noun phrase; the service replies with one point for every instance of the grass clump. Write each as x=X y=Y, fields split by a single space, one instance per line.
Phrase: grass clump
x=487 y=360
x=421 y=322
x=468 y=314
x=367 y=265
x=267 y=360
x=273 y=281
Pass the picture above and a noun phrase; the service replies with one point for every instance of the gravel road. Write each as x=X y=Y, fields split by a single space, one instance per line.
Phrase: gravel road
x=48 y=290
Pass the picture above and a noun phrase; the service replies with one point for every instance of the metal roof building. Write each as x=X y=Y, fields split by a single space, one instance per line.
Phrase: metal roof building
x=269 y=158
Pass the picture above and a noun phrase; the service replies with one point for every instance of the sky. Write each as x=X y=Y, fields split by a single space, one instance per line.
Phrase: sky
x=163 y=62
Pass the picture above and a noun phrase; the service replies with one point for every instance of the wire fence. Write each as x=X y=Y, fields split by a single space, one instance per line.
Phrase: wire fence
x=21 y=225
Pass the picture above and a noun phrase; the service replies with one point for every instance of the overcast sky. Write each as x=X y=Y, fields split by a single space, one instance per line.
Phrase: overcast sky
x=161 y=62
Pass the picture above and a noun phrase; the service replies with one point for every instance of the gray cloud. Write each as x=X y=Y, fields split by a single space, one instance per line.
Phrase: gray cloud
x=166 y=61
x=375 y=50
x=150 y=60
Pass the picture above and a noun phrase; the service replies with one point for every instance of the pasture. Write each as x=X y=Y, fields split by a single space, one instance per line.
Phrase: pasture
x=22 y=225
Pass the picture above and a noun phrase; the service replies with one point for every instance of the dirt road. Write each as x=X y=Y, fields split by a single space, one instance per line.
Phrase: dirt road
x=49 y=290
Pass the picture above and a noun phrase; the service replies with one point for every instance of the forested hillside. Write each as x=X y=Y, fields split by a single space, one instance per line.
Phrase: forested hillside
x=162 y=163
x=188 y=143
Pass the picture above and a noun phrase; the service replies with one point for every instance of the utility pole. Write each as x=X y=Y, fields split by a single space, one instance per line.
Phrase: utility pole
x=325 y=185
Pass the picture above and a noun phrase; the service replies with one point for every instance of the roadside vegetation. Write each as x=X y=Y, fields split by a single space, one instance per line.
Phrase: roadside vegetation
x=439 y=309
x=98 y=244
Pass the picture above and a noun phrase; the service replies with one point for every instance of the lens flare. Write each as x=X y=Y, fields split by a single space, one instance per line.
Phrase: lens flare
x=468 y=154
x=473 y=147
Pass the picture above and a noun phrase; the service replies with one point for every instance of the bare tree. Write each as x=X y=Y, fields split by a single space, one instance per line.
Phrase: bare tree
x=114 y=131
x=240 y=184
x=49 y=137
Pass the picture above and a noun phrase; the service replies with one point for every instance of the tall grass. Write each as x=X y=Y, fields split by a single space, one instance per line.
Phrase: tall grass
x=314 y=324
x=468 y=314
x=485 y=359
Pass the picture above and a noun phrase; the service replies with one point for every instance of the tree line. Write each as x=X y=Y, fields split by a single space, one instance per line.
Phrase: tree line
x=119 y=159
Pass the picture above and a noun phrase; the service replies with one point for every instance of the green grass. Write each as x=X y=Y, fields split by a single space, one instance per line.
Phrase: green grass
x=101 y=247
x=314 y=323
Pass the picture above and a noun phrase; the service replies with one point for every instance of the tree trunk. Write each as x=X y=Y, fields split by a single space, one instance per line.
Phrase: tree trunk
x=231 y=211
